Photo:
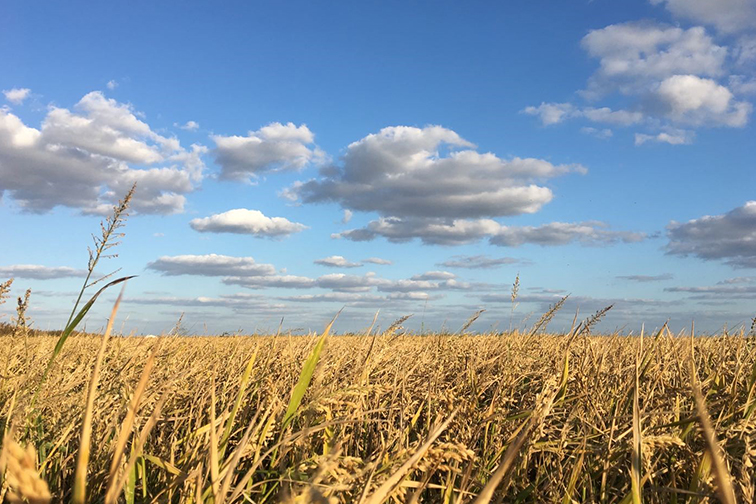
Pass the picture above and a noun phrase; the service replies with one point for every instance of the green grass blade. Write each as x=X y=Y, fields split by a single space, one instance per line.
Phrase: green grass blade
x=298 y=392
x=72 y=325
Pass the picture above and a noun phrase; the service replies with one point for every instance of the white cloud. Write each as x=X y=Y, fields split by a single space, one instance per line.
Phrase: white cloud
x=742 y=84
x=211 y=265
x=459 y=232
x=337 y=261
x=275 y=147
x=668 y=76
x=672 y=137
x=39 y=272
x=551 y=113
x=402 y=172
x=112 y=84
x=478 y=262
x=602 y=134
x=378 y=261
x=730 y=237
x=647 y=278
x=692 y=100
x=562 y=233
x=190 y=126
x=81 y=160
x=634 y=55
x=347 y=216
x=17 y=95
x=262 y=282
x=728 y=16
x=244 y=221
x=435 y=275
x=599 y=115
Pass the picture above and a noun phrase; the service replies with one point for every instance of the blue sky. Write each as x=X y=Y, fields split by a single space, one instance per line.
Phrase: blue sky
x=295 y=158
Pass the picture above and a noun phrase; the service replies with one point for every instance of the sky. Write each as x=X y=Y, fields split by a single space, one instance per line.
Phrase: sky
x=293 y=159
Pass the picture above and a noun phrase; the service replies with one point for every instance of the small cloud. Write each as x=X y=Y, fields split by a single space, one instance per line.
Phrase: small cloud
x=378 y=261
x=347 y=216
x=112 y=84
x=158 y=235
x=17 y=95
x=244 y=221
x=38 y=272
x=603 y=134
x=189 y=126
x=647 y=278
x=478 y=262
x=336 y=261
x=672 y=137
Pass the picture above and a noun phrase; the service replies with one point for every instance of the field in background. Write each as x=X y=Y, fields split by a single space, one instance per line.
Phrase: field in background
x=390 y=418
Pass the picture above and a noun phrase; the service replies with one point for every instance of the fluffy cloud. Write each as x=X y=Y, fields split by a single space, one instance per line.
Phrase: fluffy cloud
x=244 y=221
x=478 y=262
x=728 y=16
x=668 y=76
x=634 y=55
x=111 y=84
x=401 y=172
x=275 y=147
x=39 y=272
x=671 y=136
x=81 y=160
x=458 y=232
x=692 y=100
x=211 y=265
x=647 y=278
x=730 y=237
x=17 y=95
x=337 y=261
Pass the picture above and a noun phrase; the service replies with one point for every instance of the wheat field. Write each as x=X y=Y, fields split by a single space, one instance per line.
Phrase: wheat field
x=392 y=417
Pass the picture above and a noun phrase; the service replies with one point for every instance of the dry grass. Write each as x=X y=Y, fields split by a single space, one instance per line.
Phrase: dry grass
x=391 y=418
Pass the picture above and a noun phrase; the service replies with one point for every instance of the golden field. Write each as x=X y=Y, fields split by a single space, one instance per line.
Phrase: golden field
x=393 y=417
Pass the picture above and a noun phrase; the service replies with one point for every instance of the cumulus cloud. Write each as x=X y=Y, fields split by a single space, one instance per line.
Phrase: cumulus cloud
x=459 y=232
x=667 y=75
x=17 y=95
x=647 y=278
x=633 y=55
x=211 y=265
x=730 y=237
x=81 y=159
x=378 y=261
x=38 y=272
x=190 y=126
x=112 y=84
x=337 y=261
x=671 y=136
x=402 y=172
x=244 y=221
x=478 y=262
x=347 y=216
x=275 y=147
x=728 y=16
x=692 y=100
